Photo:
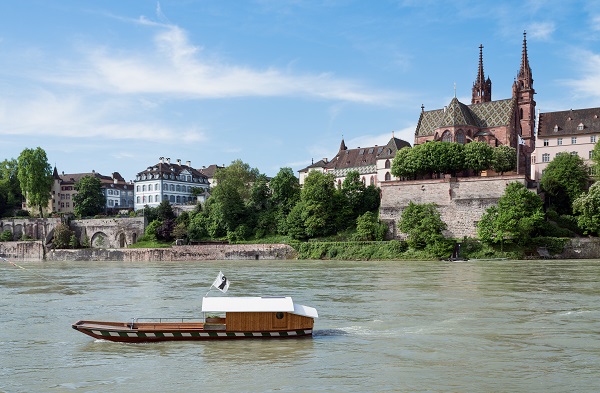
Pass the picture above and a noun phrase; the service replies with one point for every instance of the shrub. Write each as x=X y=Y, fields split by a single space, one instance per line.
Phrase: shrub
x=6 y=236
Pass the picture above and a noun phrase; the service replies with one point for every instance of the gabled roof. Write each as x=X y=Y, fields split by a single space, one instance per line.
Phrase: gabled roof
x=256 y=304
x=482 y=115
x=210 y=170
x=172 y=169
x=364 y=156
x=568 y=122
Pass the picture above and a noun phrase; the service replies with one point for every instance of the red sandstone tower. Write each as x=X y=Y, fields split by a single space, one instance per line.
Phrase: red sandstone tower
x=482 y=88
x=523 y=91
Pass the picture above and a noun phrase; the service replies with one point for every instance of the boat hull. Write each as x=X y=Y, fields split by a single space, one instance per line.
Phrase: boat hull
x=122 y=332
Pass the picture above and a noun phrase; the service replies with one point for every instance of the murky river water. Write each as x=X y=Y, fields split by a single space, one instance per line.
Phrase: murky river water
x=477 y=326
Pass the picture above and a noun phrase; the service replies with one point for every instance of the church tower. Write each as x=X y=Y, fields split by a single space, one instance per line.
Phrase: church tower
x=523 y=91
x=482 y=88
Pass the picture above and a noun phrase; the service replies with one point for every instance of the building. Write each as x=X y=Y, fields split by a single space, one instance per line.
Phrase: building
x=372 y=163
x=500 y=122
x=573 y=131
x=209 y=172
x=118 y=192
x=165 y=181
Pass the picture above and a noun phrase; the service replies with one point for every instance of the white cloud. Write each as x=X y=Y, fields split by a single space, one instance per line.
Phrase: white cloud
x=588 y=85
x=541 y=30
x=178 y=68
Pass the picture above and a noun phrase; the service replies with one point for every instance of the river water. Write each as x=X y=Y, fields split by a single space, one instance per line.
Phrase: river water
x=476 y=326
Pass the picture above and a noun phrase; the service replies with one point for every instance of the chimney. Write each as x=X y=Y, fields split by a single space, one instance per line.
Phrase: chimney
x=178 y=161
x=115 y=181
x=161 y=159
x=168 y=160
x=188 y=163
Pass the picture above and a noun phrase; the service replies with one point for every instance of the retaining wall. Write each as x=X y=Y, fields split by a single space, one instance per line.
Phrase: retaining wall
x=461 y=201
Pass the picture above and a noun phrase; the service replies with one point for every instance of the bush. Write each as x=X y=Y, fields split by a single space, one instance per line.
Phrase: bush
x=62 y=236
x=6 y=236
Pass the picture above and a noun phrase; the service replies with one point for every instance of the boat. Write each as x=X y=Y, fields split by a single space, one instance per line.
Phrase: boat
x=227 y=318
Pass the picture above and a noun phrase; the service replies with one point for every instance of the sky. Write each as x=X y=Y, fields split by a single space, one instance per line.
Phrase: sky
x=112 y=85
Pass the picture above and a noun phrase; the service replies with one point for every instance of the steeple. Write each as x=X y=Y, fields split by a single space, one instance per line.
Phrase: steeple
x=524 y=78
x=343 y=145
x=482 y=88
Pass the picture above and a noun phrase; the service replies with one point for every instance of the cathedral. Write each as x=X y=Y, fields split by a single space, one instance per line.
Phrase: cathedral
x=502 y=122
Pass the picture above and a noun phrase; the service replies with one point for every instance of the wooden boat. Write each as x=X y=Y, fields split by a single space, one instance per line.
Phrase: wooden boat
x=244 y=317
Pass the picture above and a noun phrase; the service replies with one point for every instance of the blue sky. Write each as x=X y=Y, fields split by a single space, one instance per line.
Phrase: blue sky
x=112 y=85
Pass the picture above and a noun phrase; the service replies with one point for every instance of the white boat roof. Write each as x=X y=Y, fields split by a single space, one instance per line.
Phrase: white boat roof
x=256 y=304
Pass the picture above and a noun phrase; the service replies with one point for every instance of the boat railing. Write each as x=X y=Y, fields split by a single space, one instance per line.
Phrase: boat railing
x=162 y=320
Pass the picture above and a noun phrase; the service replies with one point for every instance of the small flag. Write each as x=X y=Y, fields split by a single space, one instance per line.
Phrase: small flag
x=221 y=283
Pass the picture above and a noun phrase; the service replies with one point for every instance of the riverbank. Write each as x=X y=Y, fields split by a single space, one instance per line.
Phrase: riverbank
x=579 y=248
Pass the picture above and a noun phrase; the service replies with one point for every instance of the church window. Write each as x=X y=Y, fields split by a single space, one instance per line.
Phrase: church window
x=372 y=180
x=546 y=142
x=387 y=164
x=573 y=140
x=521 y=113
x=546 y=157
x=460 y=137
x=364 y=181
x=339 y=184
x=580 y=127
x=388 y=177
x=447 y=136
x=559 y=142
x=593 y=138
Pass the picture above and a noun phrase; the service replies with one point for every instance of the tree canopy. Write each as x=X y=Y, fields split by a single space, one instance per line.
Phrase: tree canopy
x=89 y=199
x=587 y=206
x=35 y=177
x=517 y=217
x=422 y=223
x=564 y=180
x=10 y=189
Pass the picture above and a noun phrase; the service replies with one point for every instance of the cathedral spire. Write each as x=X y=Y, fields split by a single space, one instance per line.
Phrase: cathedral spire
x=525 y=78
x=482 y=88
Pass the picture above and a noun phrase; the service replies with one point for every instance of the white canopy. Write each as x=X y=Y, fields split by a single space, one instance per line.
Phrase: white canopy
x=256 y=304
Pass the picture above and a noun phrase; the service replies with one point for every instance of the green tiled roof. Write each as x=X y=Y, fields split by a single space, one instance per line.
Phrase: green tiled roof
x=483 y=115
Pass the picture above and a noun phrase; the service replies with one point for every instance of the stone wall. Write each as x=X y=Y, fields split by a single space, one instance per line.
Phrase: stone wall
x=461 y=201
x=23 y=251
x=202 y=252
x=34 y=228
x=109 y=232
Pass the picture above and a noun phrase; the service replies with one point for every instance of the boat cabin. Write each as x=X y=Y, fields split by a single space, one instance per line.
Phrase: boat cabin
x=257 y=314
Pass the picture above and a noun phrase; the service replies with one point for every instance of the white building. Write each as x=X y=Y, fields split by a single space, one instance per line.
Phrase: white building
x=574 y=131
x=171 y=182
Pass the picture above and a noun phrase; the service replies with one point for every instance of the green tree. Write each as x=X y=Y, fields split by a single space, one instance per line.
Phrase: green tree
x=517 y=217
x=403 y=165
x=478 y=156
x=62 y=236
x=35 y=177
x=317 y=195
x=6 y=236
x=596 y=160
x=10 y=189
x=369 y=228
x=564 y=180
x=285 y=193
x=504 y=159
x=89 y=199
x=164 y=211
x=587 y=206
x=423 y=225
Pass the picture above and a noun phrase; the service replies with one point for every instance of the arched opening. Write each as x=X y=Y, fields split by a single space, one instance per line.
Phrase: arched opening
x=99 y=240
x=387 y=164
x=122 y=240
x=447 y=136
x=134 y=237
x=388 y=177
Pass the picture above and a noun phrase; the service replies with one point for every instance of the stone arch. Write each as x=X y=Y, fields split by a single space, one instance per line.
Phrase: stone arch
x=99 y=240
x=122 y=240
x=134 y=237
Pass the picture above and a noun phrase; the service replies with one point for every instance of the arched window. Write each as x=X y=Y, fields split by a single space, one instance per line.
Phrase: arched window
x=156 y=187
x=447 y=136
x=138 y=199
x=172 y=187
x=364 y=181
x=339 y=183
x=387 y=164
x=178 y=199
x=172 y=198
x=372 y=180
x=143 y=188
x=460 y=137
x=388 y=177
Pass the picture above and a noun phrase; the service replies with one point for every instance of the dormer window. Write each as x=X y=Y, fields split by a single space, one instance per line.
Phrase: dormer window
x=556 y=128
x=580 y=127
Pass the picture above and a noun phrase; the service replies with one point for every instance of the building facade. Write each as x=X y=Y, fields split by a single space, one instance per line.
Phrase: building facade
x=372 y=163
x=500 y=122
x=575 y=131
x=118 y=192
x=166 y=181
